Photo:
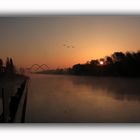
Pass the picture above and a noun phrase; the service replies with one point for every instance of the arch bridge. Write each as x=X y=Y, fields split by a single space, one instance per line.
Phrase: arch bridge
x=37 y=68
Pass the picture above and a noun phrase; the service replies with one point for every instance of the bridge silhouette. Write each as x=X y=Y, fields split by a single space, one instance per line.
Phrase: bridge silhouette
x=37 y=67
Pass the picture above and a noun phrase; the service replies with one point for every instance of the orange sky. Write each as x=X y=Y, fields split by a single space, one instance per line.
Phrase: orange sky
x=41 y=40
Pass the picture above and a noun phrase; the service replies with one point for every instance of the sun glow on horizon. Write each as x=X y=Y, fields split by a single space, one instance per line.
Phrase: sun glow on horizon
x=63 y=41
x=101 y=62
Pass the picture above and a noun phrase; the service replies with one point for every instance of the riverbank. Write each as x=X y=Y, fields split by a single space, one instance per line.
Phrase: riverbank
x=88 y=75
x=11 y=81
x=10 y=85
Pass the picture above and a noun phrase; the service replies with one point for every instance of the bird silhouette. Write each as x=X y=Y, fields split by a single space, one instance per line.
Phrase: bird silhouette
x=69 y=46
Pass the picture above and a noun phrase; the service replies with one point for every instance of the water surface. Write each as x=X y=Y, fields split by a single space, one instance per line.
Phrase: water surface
x=61 y=98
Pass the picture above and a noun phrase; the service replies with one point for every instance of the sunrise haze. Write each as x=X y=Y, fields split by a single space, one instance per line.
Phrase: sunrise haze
x=62 y=41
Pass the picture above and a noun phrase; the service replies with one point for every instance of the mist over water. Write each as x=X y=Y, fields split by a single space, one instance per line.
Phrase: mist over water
x=61 y=98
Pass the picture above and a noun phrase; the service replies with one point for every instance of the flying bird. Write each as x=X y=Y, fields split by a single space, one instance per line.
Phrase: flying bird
x=69 y=46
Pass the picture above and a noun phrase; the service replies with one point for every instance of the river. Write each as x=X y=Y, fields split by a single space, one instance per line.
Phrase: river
x=63 y=98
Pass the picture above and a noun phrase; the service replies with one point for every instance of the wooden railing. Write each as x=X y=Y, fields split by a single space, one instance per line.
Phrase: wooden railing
x=14 y=107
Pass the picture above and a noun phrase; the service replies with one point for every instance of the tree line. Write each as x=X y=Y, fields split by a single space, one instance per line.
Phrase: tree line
x=118 y=64
x=8 y=67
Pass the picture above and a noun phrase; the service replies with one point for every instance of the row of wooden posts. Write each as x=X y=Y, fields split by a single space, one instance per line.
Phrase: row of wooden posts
x=14 y=107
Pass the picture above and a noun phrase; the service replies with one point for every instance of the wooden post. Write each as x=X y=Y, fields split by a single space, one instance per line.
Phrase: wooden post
x=5 y=102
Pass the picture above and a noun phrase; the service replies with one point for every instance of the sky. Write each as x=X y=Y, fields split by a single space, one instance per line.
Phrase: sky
x=49 y=39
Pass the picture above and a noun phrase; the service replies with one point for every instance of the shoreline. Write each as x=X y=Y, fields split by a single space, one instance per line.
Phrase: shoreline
x=100 y=76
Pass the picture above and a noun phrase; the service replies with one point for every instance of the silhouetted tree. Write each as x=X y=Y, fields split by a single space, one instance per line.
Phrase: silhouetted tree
x=7 y=65
x=94 y=62
x=118 y=56
x=1 y=65
x=109 y=60
x=119 y=64
x=10 y=66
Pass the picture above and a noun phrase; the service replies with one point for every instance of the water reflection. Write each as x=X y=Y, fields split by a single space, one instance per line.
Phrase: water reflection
x=60 y=98
x=118 y=88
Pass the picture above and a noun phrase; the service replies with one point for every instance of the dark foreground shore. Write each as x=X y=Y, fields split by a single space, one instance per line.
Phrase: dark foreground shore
x=10 y=86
